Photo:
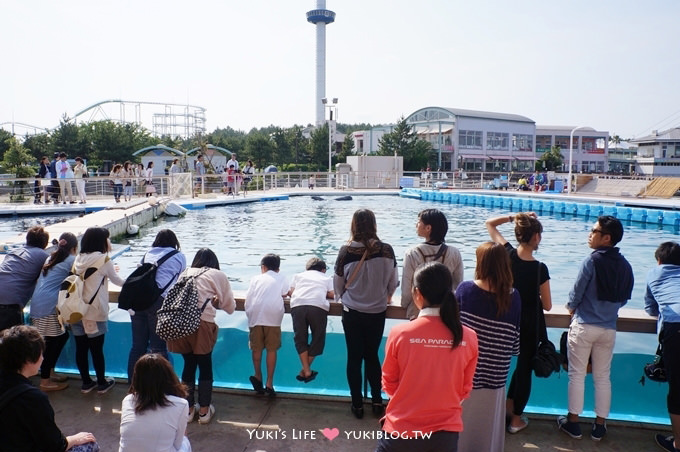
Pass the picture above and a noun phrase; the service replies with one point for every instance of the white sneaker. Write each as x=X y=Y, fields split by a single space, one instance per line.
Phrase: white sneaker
x=192 y=414
x=205 y=418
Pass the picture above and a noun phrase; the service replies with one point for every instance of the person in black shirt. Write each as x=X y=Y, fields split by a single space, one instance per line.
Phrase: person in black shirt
x=27 y=416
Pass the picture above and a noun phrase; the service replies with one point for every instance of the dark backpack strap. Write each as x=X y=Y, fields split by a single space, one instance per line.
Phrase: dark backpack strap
x=160 y=262
x=14 y=392
x=97 y=291
x=167 y=256
x=441 y=252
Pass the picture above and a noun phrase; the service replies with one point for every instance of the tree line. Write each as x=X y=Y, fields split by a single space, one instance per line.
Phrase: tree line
x=289 y=149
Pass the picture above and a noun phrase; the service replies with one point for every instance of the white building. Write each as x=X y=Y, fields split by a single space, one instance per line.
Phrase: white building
x=659 y=153
x=468 y=139
x=590 y=151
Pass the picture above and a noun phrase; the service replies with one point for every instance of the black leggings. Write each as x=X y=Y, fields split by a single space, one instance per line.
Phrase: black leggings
x=94 y=345
x=363 y=334
x=520 y=383
x=205 y=377
x=53 y=348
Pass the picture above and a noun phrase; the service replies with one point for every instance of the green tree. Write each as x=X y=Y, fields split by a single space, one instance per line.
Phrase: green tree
x=550 y=160
x=404 y=141
x=17 y=160
x=260 y=149
x=318 y=147
x=108 y=140
x=39 y=145
x=4 y=141
x=298 y=144
x=282 y=146
x=66 y=138
x=347 y=148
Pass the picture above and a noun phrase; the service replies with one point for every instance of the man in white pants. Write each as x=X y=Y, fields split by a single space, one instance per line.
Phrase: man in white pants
x=604 y=284
x=64 y=175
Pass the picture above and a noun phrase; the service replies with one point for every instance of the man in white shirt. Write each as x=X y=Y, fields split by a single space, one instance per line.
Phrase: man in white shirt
x=232 y=161
x=64 y=175
x=264 y=309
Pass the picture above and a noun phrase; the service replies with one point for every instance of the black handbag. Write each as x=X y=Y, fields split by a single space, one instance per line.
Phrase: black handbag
x=547 y=360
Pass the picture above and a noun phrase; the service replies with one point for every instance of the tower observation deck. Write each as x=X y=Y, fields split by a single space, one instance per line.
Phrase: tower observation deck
x=320 y=17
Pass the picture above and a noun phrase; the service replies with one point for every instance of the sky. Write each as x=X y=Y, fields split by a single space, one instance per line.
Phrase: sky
x=611 y=65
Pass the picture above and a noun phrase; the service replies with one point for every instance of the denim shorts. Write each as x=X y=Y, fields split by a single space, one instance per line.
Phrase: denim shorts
x=78 y=330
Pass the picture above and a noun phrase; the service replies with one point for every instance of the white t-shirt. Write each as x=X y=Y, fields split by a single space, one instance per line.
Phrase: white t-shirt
x=311 y=288
x=159 y=430
x=264 y=299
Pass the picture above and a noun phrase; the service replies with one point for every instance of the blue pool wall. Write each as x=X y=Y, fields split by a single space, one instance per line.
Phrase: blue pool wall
x=648 y=216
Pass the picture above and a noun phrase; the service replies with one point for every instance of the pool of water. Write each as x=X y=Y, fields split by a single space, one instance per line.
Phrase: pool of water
x=300 y=228
x=13 y=226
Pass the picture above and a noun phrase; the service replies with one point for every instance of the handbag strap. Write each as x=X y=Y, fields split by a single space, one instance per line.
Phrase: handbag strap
x=541 y=329
x=353 y=276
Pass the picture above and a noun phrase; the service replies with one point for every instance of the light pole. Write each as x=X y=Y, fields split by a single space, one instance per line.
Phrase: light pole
x=333 y=105
x=571 y=155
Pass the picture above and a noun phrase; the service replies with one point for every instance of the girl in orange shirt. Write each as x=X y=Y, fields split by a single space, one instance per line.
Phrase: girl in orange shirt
x=428 y=369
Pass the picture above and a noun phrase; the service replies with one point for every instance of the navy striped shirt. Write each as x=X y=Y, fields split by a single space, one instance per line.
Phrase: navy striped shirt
x=498 y=336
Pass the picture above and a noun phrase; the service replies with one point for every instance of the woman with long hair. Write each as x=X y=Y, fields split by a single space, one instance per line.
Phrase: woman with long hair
x=154 y=414
x=80 y=173
x=94 y=265
x=143 y=323
x=148 y=174
x=117 y=176
x=490 y=306
x=427 y=384
x=128 y=189
x=196 y=349
x=44 y=308
x=532 y=281
x=365 y=279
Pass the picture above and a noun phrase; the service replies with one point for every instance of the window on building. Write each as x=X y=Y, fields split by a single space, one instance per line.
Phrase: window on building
x=497 y=166
x=470 y=139
x=472 y=164
x=523 y=143
x=497 y=141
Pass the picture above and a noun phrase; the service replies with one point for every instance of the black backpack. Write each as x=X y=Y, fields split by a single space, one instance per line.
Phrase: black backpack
x=140 y=290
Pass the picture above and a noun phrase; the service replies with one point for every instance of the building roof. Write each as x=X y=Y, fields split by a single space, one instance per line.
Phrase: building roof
x=434 y=114
x=489 y=115
x=667 y=135
x=159 y=149
x=210 y=147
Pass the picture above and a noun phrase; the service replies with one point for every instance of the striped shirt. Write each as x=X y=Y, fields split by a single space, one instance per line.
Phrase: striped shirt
x=498 y=336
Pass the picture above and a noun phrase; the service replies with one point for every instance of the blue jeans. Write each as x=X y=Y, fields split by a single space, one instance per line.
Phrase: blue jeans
x=144 y=337
x=117 y=191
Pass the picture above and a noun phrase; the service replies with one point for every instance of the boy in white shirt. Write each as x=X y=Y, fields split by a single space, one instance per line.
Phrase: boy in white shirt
x=264 y=309
x=309 y=306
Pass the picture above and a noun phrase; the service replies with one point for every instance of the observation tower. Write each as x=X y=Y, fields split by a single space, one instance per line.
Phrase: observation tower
x=320 y=17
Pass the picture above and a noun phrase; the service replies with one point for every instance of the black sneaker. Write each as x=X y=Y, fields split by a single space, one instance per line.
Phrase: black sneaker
x=104 y=388
x=665 y=442
x=598 y=432
x=572 y=429
x=88 y=387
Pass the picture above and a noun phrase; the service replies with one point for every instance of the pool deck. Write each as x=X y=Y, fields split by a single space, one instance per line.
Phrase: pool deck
x=240 y=413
